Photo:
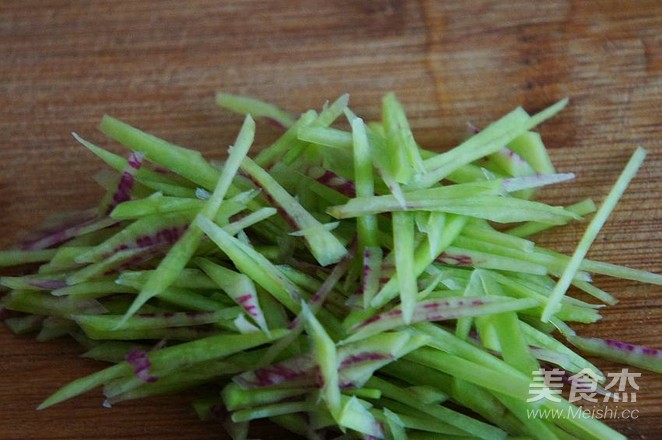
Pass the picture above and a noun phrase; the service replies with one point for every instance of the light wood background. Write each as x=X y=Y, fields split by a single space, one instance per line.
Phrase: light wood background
x=157 y=64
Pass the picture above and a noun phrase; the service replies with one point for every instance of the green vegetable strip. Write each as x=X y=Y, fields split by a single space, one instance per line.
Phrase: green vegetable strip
x=401 y=147
x=591 y=232
x=453 y=418
x=493 y=139
x=169 y=189
x=325 y=118
x=265 y=411
x=356 y=416
x=93 y=289
x=521 y=183
x=403 y=238
x=582 y=208
x=18 y=257
x=324 y=350
x=270 y=155
x=494 y=208
x=484 y=403
x=493 y=130
x=250 y=220
x=173 y=383
x=537 y=338
x=187 y=163
x=157 y=204
x=64 y=259
x=613 y=270
x=582 y=427
x=87 y=383
x=104 y=266
x=396 y=426
x=539 y=429
x=442 y=339
x=552 y=264
x=366 y=226
x=475 y=287
x=118 y=163
x=317 y=301
x=596 y=292
x=513 y=345
x=522 y=289
x=514 y=386
x=484 y=232
x=529 y=146
x=382 y=160
x=325 y=247
x=326 y=136
x=177 y=258
x=434 y=228
x=155 y=334
x=188 y=278
x=253 y=264
x=412 y=419
x=424 y=256
x=190 y=300
x=511 y=163
x=256 y=108
x=236 y=397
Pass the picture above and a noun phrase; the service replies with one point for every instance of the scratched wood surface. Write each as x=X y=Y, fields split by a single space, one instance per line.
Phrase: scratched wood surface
x=157 y=64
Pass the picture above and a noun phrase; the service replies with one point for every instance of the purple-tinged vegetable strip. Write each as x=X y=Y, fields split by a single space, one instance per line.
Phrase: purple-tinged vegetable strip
x=140 y=363
x=181 y=252
x=424 y=256
x=324 y=352
x=239 y=287
x=125 y=185
x=438 y=310
x=371 y=273
x=59 y=236
x=636 y=355
x=326 y=248
x=253 y=264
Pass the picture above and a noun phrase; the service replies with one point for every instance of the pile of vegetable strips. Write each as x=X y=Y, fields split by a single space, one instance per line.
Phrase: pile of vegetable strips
x=344 y=282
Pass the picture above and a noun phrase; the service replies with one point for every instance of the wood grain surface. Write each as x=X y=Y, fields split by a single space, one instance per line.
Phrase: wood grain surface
x=157 y=64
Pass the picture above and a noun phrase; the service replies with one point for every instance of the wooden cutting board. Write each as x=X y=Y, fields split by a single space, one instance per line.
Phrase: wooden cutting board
x=157 y=64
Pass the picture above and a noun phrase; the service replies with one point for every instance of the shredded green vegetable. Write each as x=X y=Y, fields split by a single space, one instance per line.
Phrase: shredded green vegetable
x=344 y=282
